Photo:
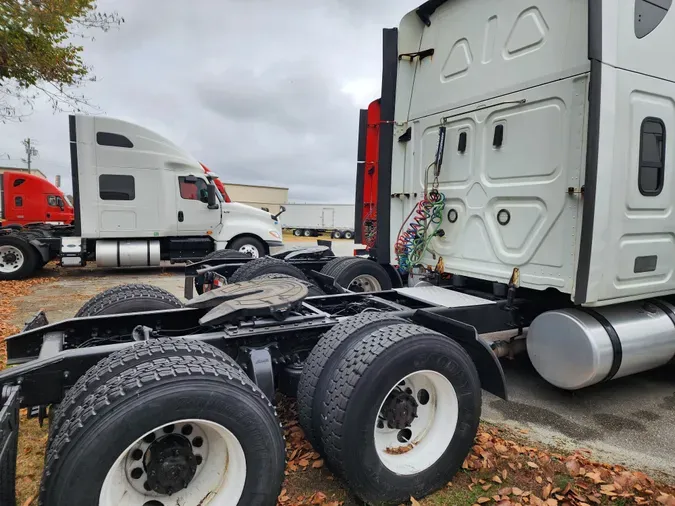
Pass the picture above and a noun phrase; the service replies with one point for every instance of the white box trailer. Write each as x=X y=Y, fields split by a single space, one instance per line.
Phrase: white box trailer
x=310 y=220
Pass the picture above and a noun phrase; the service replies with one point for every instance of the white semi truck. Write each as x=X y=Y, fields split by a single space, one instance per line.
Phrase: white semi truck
x=525 y=182
x=543 y=130
x=311 y=220
x=139 y=199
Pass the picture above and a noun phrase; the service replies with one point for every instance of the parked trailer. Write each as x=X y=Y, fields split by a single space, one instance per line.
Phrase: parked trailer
x=311 y=220
x=139 y=199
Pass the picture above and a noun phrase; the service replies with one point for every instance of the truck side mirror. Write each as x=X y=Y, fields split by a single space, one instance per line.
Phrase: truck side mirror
x=212 y=198
x=282 y=210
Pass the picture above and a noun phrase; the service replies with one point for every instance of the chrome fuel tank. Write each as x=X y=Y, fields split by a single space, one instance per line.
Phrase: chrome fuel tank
x=136 y=253
x=576 y=348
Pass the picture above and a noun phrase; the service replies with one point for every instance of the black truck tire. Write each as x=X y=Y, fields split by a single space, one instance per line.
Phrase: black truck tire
x=221 y=253
x=400 y=414
x=321 y=363
x=109 y=367
x=18 y=258
x=251 y=246
x=266 y=265
x=132 y=298
x=332 y=265
x=203 y=412
x=314 y=291
x=361 y=275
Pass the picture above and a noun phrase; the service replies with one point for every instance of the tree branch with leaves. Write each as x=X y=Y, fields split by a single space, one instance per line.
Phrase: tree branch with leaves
x=38 y=56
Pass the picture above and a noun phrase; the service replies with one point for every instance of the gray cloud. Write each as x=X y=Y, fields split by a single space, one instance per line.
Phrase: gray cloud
x=263 y=92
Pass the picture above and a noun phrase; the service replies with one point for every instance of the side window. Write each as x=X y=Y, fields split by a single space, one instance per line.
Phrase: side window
x=194 y=189
x=116 y=187
x=649 y=14
x=18 y=201
x=114 y=140
x=18 y=182
x=51 y=200
x=652 y=157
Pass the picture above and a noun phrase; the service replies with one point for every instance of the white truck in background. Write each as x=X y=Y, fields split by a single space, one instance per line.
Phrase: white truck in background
x=139 y=199
x=312 y=220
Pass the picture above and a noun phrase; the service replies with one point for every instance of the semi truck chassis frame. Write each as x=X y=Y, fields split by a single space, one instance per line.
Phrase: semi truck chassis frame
x=268 y=342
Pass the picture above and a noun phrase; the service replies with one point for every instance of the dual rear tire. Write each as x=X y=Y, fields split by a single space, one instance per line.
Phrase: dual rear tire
x=393 y=407
x=358 y=274
x=168 y=421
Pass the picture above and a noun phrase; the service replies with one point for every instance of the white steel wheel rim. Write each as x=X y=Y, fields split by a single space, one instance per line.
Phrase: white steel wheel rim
x=431 y=431
x=250 y=250
x=365 y=283
x=218 y=481
x=11 y=259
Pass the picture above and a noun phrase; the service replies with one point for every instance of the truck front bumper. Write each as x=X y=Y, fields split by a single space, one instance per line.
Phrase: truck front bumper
x=275 y=246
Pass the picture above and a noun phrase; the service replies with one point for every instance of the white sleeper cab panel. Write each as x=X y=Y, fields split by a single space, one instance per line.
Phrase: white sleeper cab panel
x=629 y=232
x=489 y=48
x=509 y=82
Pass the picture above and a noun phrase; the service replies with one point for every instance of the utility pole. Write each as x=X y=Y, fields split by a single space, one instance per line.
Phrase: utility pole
x=30 y=152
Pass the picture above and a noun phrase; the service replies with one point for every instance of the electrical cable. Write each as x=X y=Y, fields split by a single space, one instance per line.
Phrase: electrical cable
x=424 y=219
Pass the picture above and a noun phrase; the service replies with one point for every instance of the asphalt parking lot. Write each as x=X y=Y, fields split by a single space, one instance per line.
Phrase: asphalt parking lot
x=628 y=421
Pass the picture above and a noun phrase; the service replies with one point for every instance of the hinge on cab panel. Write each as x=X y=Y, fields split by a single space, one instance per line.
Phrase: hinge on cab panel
x=417 y=54
x=406 y=136
x=572 y=190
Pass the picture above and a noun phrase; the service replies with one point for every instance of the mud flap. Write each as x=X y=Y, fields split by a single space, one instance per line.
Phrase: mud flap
x=9 y=437
x=490 y=371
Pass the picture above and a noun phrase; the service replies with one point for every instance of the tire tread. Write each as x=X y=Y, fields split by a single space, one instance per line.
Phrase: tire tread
x=318 y=366
x=101 y=301
x=265 y=265
x=132 y=370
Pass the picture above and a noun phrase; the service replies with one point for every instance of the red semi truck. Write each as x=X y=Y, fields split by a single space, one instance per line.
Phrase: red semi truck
x=367 y=173
x=27 y=198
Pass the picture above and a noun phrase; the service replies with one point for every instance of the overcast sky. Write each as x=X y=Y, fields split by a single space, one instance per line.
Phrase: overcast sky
x=261 y=91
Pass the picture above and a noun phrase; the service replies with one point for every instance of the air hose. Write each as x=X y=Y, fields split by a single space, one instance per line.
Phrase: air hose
x=425 y=219
x=414 y=242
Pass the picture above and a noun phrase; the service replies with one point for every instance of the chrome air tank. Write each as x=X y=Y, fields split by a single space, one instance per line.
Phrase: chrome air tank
x=135 y=253
x=576 y=348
